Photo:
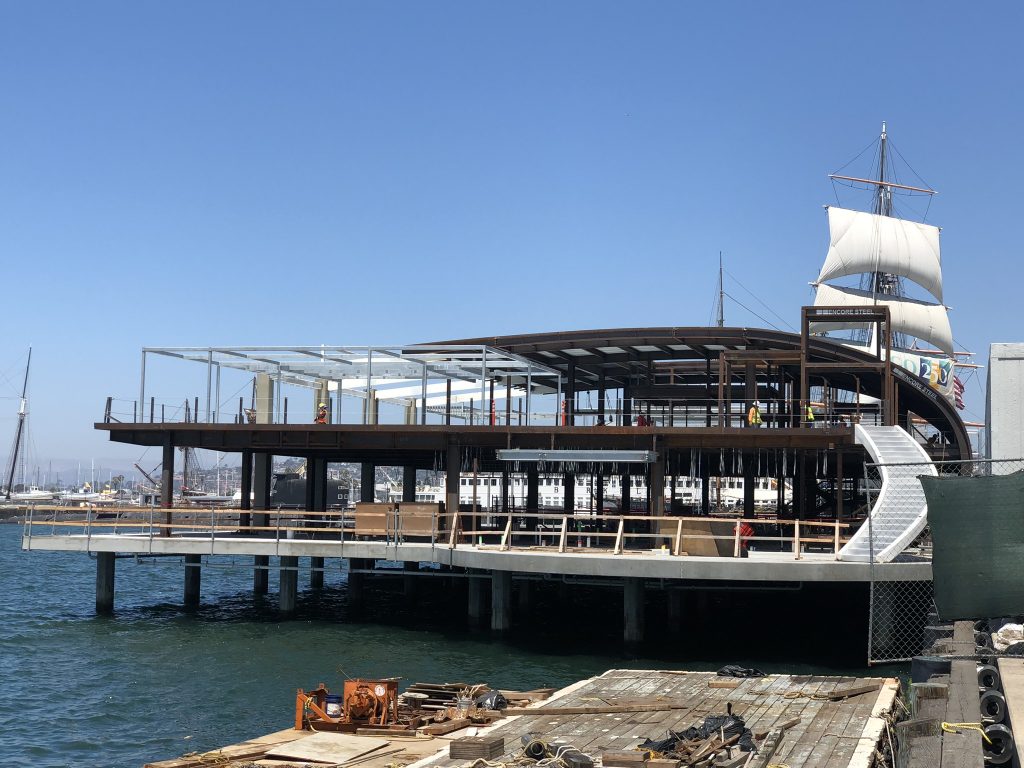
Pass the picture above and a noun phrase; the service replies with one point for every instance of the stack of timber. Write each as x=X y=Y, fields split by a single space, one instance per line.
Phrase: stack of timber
x=474 y=747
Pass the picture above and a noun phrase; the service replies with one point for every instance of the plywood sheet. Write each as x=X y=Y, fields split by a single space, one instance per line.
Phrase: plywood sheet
x=327 y=747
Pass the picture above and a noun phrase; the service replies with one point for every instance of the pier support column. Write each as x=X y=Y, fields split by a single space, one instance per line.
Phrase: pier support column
x=749 y=479
x=524 y=595
x=477 y=600
x=193 y=578
x=626 y=488
x=104 y=582
x=316 y=573
x=656 y=489
x=705 y=490
x=568 y=492
x=320 y=485
x=356 y=581
x=410 y=581
x=409 y=484
x=501 y=601
x=367 y=480
x=674 y=598
x=453 y=469
x=532 y=495
x=289 y=584
x=167 y=484
x=261 y=574
x=316 y=481
x=632 y=611
x=263 y=473
x=244 y=518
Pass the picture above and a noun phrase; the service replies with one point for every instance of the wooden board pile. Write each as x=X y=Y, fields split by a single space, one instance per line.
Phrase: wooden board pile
x=720 y=749
x=476 y=747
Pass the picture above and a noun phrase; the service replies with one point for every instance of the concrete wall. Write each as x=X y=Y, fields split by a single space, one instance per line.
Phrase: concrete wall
x=1004 y=407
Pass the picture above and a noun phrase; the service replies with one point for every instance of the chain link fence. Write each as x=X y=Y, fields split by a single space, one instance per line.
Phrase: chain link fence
x=899 y=608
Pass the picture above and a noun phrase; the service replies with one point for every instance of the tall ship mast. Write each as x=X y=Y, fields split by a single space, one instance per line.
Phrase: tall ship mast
x=887 y=253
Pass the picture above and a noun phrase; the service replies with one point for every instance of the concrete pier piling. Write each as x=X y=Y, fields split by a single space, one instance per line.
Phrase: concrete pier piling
x=289 y=586
x=674 y=599
x=193 y=579
x=501 y=601
x=316 y=573
x=632 y=611
x=260 y=574
x=476 y=600
x=105 y=583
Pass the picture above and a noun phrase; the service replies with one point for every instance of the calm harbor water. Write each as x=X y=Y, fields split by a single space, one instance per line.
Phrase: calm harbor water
x=153 y=681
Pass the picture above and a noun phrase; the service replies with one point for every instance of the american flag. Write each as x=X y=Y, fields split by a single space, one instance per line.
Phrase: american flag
x=958 y=392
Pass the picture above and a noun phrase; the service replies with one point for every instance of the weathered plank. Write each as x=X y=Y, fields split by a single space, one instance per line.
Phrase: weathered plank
x=963 y=749
x=1012 y=673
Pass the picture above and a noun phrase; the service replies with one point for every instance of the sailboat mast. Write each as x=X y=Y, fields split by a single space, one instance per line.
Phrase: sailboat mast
x=721 y=294
x=883 y=195
x=22 y=412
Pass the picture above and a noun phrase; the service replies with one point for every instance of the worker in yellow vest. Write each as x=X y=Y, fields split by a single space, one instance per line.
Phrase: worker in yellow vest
x=754 y=415
x=809 y=416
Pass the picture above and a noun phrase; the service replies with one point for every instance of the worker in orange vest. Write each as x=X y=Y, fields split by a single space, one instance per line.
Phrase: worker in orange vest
x=321 y=414
x=754 y=415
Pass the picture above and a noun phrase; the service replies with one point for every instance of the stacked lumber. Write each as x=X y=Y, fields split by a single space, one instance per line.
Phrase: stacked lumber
x=474 y=747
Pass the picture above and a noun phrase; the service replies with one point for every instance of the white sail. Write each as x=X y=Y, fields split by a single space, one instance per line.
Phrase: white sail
x=909 y=316
x=865 y=242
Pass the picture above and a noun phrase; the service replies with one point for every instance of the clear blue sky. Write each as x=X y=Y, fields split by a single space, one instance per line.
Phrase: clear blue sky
x=332 y=172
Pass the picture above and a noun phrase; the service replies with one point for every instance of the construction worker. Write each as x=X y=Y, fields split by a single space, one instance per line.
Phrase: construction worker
x=746 y=530
x=754 y=415
x=809 y=415
x=321 y=414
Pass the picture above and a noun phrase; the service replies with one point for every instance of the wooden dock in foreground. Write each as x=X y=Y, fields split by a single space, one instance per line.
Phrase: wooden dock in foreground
x=826 y=721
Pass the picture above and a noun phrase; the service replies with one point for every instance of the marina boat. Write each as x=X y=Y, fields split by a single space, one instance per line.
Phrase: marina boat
x=84 y=495
x=33 y=493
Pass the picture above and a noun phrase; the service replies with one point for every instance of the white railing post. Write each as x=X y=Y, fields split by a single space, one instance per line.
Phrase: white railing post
x=561 y=538
x=506 y=537
x=796 y=539
x=678 y=547
x=619 y=536
x=736 y=539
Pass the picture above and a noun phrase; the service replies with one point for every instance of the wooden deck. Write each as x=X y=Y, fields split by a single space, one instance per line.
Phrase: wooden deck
x=646 y=703
x=832 y=733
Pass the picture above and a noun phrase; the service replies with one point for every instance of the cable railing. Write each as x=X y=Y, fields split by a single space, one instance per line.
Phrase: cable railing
x=660 y=413
x=574 y=534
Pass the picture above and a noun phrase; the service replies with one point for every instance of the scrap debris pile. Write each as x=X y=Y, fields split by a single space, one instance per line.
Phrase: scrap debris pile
x=374 y=706
x=700 y=742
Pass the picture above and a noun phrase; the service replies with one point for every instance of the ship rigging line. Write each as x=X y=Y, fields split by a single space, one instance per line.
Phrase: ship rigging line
x=763 y=320
x=758 y=299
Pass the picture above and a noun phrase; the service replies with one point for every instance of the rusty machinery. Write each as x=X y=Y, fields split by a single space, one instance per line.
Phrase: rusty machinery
x=363 y=703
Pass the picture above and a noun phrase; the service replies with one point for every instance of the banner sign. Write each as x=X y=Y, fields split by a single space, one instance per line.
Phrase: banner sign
x=937 y=372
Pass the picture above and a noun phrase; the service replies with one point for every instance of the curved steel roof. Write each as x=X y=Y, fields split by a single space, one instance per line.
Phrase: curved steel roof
x=616 y=352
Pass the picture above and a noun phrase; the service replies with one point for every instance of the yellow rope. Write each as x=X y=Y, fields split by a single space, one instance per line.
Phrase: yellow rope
x=956 y=727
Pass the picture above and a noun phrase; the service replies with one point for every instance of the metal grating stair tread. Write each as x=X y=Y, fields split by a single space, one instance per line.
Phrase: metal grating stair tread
x=900 y=511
